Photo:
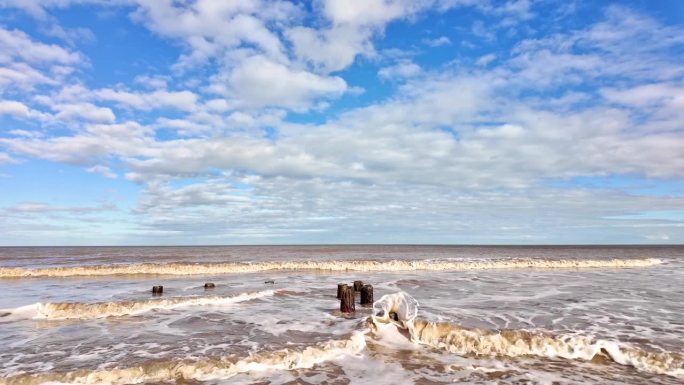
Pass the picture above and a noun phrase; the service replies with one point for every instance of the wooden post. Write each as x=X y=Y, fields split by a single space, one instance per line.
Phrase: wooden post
x=367 y=295
x=158 y=290
x=358 y=285
x=339 y=289
x=347 y=300
x=209 y=285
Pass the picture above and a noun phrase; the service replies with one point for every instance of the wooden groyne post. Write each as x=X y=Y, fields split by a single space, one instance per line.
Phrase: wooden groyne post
x=367 y=295
x=339 y=289
x=347 y=300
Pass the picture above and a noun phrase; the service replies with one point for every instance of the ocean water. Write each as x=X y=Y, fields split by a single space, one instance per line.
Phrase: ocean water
x=443 y=314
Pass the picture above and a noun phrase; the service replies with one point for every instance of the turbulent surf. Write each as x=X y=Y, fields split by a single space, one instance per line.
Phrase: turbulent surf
x=203 y=369
x=505 y=315
x=76 y=310
x=331 y=266
x=400 y=310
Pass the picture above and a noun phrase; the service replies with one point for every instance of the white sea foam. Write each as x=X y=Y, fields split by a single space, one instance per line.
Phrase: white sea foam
x=333 y=266
x=469 y=341
x=203 y=369
x=17 y=313
x=79 y=310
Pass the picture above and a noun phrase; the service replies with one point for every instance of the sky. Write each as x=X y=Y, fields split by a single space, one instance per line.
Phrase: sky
x=167 y=122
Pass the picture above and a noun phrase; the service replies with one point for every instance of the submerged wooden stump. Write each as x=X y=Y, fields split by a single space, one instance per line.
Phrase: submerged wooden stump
x=339 y=289
x=347 y=300
x=367 y=295
x=358 y=285
x=157 y=290
x=209 y=285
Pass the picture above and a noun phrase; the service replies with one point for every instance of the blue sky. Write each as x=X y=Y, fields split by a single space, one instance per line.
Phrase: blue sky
x=335 y=121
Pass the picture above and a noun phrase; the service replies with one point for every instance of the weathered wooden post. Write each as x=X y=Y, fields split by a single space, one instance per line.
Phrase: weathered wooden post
x=358 y=285
x=339 y=289
x=158 y=290
x=347 y=299
x=367 y=295
x=209 y=285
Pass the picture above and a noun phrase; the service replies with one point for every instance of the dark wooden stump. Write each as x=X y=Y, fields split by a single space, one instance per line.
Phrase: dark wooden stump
x=339 y=289
x=358 y=285
x=157 y=290
x=209 y=285
x=347 y=300
x=367 y=295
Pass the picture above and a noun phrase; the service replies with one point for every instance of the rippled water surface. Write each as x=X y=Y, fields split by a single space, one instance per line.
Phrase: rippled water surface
x=511 y=315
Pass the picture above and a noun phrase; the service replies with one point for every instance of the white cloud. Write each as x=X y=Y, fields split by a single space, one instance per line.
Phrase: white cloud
x=14 y=108
x=21 y=76
x=16 y=44
x=86 y=111
x=6 y=158
x=446 y=151
x=182 y=100
x=658 y=237
x=29 y=208
x=104 y=170
x=401 y=70
x=352 y=27
x=332 y=49
x=484 y=60
x=209 y=28
x=71 y=36
x=260 y=82
x=437 y=42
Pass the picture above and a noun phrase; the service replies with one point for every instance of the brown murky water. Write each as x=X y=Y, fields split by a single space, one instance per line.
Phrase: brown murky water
x=511 y=315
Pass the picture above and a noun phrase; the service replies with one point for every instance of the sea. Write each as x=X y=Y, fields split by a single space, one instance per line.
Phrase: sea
x=439 y=315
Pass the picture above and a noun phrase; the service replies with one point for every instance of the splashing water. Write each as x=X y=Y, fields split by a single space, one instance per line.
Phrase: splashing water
x=513 y=343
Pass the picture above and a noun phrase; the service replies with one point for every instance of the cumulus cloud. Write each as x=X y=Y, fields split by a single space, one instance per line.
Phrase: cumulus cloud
x=12 y=107
x=86 y=111
x=15 y=44
x=260 y=82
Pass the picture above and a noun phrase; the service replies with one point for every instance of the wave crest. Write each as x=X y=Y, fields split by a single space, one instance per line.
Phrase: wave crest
x=513 y=343
x=80 y=310
x=201 y=370
x=343 y=265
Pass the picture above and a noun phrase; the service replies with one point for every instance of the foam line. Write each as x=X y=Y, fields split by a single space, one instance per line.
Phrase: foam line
x=203 y=369
x=401 y=310
x=332 y=266
x=80 y=310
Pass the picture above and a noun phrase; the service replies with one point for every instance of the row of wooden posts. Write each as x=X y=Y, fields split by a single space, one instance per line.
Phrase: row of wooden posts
x=159 y=290
x=347 y=295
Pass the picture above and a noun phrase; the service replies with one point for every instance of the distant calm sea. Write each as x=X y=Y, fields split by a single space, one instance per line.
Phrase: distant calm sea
x=479 y=315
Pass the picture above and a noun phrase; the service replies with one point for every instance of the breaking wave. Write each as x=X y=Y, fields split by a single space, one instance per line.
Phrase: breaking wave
x=344 y=265
x=401 y=310
x=201 y=370
x=79 y=310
